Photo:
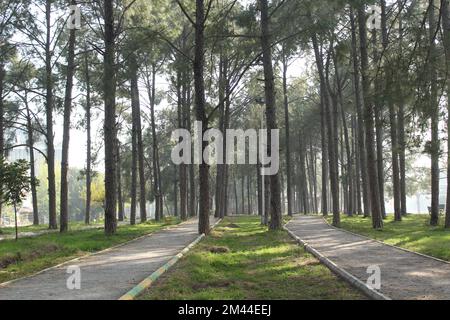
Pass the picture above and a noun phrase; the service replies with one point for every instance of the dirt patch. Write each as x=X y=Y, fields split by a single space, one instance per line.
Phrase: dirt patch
x=28 y=256
x=232 y=226
x=217 y=284
x=308 y=262
x=218 y=250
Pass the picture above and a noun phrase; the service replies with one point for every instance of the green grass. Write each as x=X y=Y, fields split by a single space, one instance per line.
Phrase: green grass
x=256 y=264
x=73 y=226
x=413 y=233
x=29 y=255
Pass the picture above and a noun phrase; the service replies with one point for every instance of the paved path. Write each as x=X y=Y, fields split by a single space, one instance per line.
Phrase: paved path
x=107 y=275
x=404 y=275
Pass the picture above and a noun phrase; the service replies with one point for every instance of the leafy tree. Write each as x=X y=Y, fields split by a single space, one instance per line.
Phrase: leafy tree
x=16 y=183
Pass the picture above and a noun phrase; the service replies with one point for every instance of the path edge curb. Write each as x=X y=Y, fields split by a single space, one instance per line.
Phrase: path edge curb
x=351 y=279
x=147 y=282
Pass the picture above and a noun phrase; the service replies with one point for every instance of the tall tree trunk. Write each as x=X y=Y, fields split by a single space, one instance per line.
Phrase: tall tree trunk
x=236 y=201
x=32 y=164
x=324 y=145
x=242 y=195
x=314 y=174
x=271 y=117
x=434 y=106
x=2 y=117
x=49 y=104
x=192 y=185
x=151 y=90
x=109 y=83
x=175 y=194
x=393 y=118
x=64 y=206
x=220 y=167
x=362 y=152
x=349 y=167
x=200 y=103
x=330 y=122
x=181 y=124
x=302 y=170
x=379 y=124
x=287 y=130
x=136 y=115
x=134 y=175
x=266 y=200
x=120 y=204
x=377 y=221
x=87 y=215
x=249 y=195
x=260 y=189
x=401 y=118
x=446 y=39
x=226 y=125
x=359 y=209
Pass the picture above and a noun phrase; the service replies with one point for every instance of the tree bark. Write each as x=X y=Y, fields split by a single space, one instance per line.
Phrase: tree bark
x=136 y=116
x=269 y=80
x=330 y=122
x=362 y=154
x=349 y=167
x=32 y=164
x=181 y=124
x=134 y=175
x=401 y=119
x=379 y=125
x=120 y=204
x=287 y=130
x=64 y=206
x=49 y=104
x=393 y=118
x=324 y=145
x=2 y=117
x=192 y=185
x=446 y=39
x=377 y=221
x=109 y=83
x=221 y=167
x=434 y=106
x=200 y=107
x=87 y=215
x=358 y=194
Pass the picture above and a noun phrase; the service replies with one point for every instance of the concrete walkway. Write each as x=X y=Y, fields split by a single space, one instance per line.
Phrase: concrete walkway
x=404 y=275
x=109 y=274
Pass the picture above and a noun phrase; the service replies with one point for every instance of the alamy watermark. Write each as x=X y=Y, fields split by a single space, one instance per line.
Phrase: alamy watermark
x=74 y=20
x=374 y=280
x=374 y=20
x=74 y=280
x=236 y=148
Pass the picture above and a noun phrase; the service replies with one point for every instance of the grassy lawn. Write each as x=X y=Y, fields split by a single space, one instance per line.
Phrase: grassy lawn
x=73 y=226
x=29 y=255
x=241 y=260
x=413 y=233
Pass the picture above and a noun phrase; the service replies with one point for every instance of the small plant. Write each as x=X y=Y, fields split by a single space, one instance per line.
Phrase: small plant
x=15 y=184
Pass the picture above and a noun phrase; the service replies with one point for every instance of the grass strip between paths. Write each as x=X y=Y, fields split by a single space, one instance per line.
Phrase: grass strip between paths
x=241 y=260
